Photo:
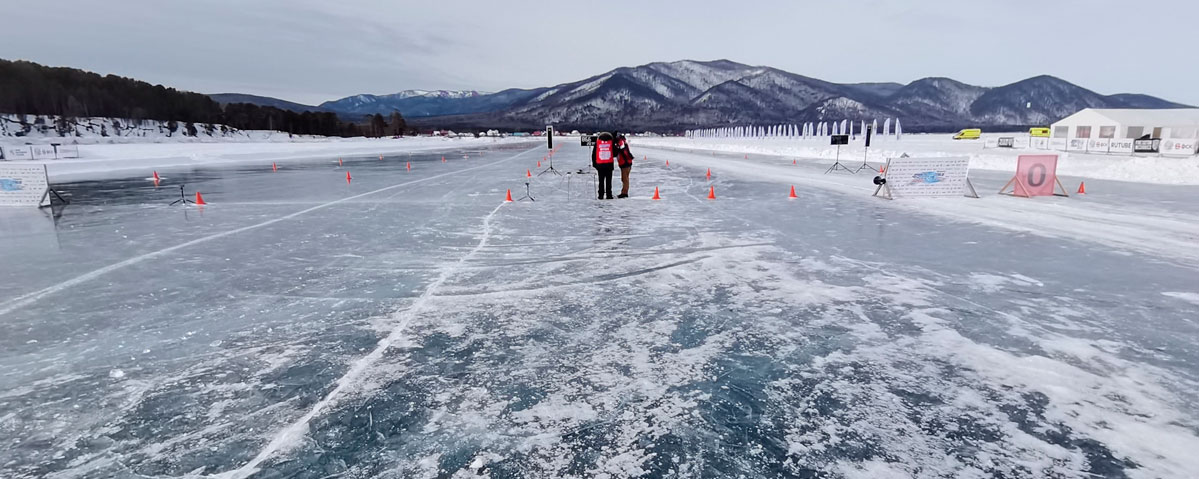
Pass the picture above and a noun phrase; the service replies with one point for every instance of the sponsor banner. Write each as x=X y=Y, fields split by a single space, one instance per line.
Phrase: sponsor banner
x=928 y=177
x=66 y=151
x=1036 y=175
x=23 y=185
x=1179 y=147
x=990 y=143
x=1007 y=142
x=42 y=152
x=1145 y=146
x=1058 y=144
x=1077 y=144
x=1098 y=145
x=1117 y=145
x=1040 y=143
x=17 y=153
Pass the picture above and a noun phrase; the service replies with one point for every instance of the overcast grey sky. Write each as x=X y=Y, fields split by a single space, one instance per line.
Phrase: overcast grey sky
x=310 y=50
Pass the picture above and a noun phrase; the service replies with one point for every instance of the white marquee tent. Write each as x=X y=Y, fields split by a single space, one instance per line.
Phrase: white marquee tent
x=1129 y=123
x=1112 y=130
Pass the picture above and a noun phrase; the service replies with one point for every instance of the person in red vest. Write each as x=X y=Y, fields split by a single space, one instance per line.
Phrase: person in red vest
x=603 y=155
x=624 y=159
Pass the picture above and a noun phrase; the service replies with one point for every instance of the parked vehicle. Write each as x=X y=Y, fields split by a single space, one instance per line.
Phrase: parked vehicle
x=968 y=134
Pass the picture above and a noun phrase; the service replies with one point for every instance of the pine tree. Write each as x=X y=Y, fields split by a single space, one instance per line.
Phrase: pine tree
x=398 y=125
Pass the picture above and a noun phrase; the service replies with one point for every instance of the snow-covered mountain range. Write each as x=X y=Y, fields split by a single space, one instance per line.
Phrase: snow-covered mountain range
x=413 y=103
x=688 y=94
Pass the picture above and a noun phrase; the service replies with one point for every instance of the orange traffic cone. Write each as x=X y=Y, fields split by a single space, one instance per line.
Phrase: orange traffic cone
x=200 y=199
x=711 y=192
x=443 y=159
x=156 y=177
x=539 y=163
x=668 y=163
x=274 y=166
x=528 y=174
x=656 y=197
x=1082 y=188
x=792 y=195
x=408 y=166
x=793 y=162
x=380 y=157
x=508 y=199
x=339 y=162
x=348 y=178
x=708 y=175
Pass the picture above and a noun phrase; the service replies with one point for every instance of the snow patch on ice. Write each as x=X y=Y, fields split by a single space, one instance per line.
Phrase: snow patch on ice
x=1192 y=298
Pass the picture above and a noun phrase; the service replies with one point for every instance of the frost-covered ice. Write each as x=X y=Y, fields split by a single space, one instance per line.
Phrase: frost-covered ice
x=120 y=160
x=409 y=324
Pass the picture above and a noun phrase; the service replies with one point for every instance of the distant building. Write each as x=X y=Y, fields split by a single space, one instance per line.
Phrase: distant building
x=1113 y=130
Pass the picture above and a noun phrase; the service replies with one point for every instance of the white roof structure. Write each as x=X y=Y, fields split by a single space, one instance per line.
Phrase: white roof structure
x=1132 y=123
x=1139 y=117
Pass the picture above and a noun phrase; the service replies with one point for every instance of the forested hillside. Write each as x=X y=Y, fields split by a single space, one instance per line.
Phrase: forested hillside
x=33 y=89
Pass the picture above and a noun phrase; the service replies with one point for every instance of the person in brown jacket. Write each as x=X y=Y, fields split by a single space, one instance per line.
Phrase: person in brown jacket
x=624 y=159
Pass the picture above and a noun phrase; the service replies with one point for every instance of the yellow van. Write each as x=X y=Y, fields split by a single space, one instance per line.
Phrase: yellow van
x=1038 y=132
x=968 y=134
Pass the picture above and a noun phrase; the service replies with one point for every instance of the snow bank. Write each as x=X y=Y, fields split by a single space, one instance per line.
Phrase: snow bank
x=45 y=129
x=1140 y=169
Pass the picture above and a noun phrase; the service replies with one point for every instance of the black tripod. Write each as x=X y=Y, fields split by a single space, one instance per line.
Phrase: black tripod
x=866 y=164
x=838 y=166
x=528 y=194
x=182 y=198
x=551 y=168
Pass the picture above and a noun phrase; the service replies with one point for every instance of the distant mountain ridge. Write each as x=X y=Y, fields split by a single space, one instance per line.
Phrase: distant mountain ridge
x=413 y=103
x=690 y=94
x=227 y=98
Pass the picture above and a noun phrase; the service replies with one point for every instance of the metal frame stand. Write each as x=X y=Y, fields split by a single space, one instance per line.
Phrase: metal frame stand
x=865 y=164
x=47 y=200
x=528 y=194
x=182 y=198
x=838 y=166
x=551 y=168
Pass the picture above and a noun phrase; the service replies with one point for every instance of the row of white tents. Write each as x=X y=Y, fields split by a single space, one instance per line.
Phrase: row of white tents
x=804 y=131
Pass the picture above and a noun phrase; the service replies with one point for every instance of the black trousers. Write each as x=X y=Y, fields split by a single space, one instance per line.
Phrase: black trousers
x=605 y=180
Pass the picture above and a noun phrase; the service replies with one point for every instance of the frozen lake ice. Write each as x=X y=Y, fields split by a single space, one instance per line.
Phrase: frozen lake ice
x=411 y=324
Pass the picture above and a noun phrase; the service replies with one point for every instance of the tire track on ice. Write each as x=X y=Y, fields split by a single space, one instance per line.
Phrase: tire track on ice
x=285 y=439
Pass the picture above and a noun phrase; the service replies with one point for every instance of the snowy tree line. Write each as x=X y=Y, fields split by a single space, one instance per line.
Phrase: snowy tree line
x=800 y=131
x=27 y=88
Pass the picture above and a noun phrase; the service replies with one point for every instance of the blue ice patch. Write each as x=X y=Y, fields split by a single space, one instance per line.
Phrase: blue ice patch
x=10 y=184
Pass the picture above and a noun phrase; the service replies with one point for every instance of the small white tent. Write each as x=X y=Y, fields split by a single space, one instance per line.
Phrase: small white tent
x=1181 y=123
x=1113 y=130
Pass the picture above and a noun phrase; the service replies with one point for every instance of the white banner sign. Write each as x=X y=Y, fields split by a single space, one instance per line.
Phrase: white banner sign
x=24 y=185
x=66 y=151
x=1179 y=147
x=1097 y=145
x=1120 y=145
x=1077 y=144
x=1058 y=144
x=1040 y=143
x=929 y=177
x=17 y=153
x=42 y=152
